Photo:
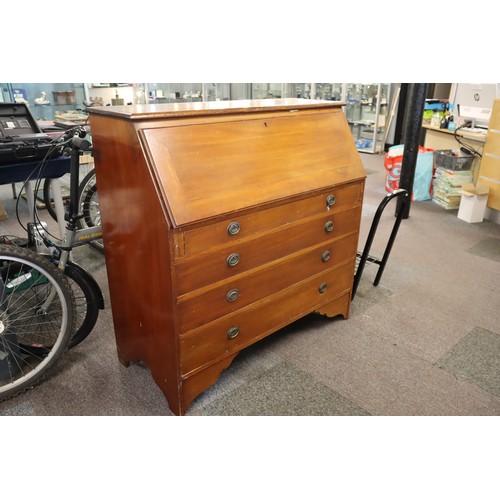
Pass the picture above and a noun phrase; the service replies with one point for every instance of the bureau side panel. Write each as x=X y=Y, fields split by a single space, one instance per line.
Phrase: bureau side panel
x=137 y=248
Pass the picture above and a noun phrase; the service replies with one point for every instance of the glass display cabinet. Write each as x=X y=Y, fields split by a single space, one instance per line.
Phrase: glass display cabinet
x=366 y=106
x=366 y=111
x=115 y=94
x=216 y=91
x=159 y=93
x=324 y=91
x=328 y=91
x=187 y=92
x=48 y=102
x=298 y=90
x=284 y=90
x=267 y=91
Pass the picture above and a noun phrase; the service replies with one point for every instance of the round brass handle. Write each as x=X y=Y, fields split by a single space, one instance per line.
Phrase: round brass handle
x=233 y=259
x=325 y=256
x=233 y=332
x=328 y=227
x=330 y=200
x=232 y=295
x=322 y=288
x=233 y=228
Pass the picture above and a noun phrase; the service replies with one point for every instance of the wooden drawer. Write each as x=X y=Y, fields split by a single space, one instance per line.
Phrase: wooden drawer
x=211 y=343
x=205 y=305
x=209 y=268
x=203 y=239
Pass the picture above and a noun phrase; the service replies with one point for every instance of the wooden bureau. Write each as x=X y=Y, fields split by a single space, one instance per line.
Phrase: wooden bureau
x=223 y=222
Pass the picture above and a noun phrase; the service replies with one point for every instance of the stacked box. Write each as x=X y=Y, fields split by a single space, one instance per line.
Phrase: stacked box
x=447 y=186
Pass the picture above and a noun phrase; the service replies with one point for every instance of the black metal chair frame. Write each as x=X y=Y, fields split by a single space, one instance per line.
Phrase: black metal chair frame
x=364 y=256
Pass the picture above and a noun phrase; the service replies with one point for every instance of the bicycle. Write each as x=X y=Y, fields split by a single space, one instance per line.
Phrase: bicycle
x=44 y=291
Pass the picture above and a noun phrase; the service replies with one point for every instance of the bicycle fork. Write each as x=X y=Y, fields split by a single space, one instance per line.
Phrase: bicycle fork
x=36 y=236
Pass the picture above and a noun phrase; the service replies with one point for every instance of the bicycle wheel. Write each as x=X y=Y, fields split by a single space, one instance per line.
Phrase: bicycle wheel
x=48 y=197
x=88 y=201
x=88 y=301
x=36 y=319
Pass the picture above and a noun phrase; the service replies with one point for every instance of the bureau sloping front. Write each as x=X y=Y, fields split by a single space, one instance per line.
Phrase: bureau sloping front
x=223 y=222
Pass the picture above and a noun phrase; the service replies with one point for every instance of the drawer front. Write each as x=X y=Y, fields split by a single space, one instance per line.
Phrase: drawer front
x=228 y=262
x=236 y=331
x=233 y=229
x=202 y=307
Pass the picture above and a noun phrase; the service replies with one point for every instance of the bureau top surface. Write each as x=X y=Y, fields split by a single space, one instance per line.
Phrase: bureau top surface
x=174 y=110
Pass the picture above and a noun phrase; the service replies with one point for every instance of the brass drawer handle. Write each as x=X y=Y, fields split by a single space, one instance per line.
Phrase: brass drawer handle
x=325 y=257
x=330 y=200
x=233 y=259
x=232 y=295
x=233 y=228
x=233 y=332
x=328 y=227
x=322 y=288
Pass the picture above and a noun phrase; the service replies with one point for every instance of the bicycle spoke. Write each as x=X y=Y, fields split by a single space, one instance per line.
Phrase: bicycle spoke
x=36 y=318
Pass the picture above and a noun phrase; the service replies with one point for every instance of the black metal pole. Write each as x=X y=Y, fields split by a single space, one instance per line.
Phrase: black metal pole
x=413 y=123
x=400 y=117
x=74 y=183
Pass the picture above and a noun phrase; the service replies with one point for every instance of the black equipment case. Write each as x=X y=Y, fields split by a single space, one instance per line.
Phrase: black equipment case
x=21 y=139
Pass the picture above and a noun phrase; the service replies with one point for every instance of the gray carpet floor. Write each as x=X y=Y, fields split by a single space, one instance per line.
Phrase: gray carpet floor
x=426 y=341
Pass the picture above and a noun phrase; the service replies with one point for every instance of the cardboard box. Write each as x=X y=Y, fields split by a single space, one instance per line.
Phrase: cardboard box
x=473 y=202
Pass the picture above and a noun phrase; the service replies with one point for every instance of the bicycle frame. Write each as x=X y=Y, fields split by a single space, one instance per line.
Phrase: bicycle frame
x=74 y=237
x=79 y=237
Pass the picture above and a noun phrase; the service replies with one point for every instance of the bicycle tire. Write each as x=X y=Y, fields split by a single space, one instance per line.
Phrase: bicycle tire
x=88 y=202
x=34 y=331
x=87 y=303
